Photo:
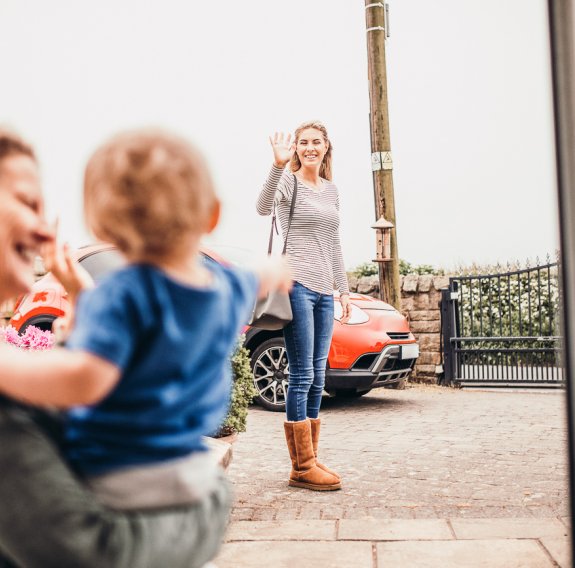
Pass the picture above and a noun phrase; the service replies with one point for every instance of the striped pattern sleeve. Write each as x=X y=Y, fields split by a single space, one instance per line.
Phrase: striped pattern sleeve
x=339 y=274
x=275 y=188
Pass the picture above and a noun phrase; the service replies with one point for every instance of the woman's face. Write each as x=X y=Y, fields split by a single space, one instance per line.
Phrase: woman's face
x=22 y=226
x=311 y=147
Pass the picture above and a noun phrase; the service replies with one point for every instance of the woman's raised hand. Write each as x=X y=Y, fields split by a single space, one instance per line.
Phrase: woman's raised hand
x=283 y=148
x=58 y=260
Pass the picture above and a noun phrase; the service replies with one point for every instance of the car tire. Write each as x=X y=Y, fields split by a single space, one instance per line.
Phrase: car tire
x=270 y=372
x=43 y=322
x=348 y=393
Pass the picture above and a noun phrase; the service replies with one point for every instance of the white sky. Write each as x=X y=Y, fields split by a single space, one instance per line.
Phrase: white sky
x=470 y=108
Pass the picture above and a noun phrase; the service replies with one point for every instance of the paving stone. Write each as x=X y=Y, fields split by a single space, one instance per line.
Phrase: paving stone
x=286 y=514
x=222 y=449
x=331 y=513
x=457 y=554
x=382 y=529
x=559 y=549
x=507 y=528
x=242 y=513
x=264 y=514
x=281 y=530
x=290 y=554
x=309 y=511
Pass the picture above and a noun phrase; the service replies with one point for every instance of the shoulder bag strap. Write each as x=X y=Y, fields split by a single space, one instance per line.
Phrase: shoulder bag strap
x=274 y=225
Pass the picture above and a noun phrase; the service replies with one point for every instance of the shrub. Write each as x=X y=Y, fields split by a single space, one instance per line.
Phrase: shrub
x=520 y=305
x=515 y=304
x=405 y=268
x=243 y=392
x=365 y=269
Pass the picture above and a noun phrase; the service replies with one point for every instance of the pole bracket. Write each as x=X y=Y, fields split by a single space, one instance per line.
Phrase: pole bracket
x=385 y=27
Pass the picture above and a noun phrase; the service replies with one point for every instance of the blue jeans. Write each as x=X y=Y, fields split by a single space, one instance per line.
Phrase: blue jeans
x=307 y=338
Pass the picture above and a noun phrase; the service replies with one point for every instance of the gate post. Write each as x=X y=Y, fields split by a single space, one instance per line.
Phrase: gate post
x=448 y=331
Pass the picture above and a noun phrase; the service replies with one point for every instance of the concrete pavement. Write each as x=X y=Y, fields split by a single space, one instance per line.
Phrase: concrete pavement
x=431 y=477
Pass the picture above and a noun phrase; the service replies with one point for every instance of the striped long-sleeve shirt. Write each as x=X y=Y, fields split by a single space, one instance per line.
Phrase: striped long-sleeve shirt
x=313 y=244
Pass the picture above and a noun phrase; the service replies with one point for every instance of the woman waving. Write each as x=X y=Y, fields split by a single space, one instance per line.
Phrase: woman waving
x=315 y=258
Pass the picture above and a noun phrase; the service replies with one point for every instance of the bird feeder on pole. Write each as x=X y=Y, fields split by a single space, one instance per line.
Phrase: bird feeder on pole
x=383 y=240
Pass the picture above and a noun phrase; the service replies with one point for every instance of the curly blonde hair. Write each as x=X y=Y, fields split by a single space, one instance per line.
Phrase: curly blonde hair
x=325 y=168
x=144 y=190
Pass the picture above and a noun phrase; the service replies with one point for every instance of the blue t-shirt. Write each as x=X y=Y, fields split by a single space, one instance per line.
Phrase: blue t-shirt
x=173 y=344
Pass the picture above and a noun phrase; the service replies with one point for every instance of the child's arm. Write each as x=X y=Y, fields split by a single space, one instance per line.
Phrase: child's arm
x=273 y=274
x=58 y=377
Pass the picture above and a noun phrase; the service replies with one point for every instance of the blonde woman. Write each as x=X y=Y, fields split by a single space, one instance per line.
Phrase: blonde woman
x=315 y=258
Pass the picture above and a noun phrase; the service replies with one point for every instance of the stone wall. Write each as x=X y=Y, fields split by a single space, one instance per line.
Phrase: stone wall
x=420 y=303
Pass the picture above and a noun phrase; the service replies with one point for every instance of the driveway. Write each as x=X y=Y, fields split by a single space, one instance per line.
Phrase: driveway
x=422 y=453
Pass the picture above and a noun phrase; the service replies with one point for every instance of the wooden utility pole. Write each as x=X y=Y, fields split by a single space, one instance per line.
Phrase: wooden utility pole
x=382 y=164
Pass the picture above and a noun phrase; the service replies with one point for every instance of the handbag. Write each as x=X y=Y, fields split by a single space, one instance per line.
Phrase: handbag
x=274 y=311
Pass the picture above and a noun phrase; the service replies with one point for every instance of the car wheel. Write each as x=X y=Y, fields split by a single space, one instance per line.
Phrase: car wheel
x=348 y=393
x=43 y=323
x=271 y=374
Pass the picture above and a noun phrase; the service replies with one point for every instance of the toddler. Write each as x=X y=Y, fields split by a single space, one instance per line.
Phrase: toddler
x=145 y=373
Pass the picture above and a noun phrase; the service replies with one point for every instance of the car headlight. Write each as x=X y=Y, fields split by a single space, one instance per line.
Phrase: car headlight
x=357 y=314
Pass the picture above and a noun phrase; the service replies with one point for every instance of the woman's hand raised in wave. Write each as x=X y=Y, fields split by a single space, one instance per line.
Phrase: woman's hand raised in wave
x=58 y=260
x=283 y=148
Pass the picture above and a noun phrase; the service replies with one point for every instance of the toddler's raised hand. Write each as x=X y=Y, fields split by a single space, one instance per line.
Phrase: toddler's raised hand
x=274 y=274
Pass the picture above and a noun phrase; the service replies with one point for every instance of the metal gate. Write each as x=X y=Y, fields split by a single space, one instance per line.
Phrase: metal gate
x=502 y=329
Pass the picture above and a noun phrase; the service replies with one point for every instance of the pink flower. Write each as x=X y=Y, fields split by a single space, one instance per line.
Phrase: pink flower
x=10 y=335
x=33 y=338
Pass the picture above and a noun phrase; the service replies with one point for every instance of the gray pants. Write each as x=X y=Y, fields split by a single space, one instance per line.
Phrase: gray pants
x=49 y=519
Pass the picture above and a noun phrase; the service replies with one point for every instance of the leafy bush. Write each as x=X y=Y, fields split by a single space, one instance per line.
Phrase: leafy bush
x=522 y=303
x=405 y=268
x=521 y=306
x=365 y=269
x=243 y=392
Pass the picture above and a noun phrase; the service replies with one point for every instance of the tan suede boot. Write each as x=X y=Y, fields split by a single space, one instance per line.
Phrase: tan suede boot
x=305 y=473
x=315 y=429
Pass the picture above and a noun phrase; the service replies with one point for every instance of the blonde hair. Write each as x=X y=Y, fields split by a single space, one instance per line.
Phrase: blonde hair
x=325 y=168
x=144 y=190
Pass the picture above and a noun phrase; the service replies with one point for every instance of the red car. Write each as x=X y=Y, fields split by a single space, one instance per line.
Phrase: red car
x=375 y=349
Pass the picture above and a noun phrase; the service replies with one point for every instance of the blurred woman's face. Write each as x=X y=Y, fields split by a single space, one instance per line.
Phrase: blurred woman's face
x=22 y=226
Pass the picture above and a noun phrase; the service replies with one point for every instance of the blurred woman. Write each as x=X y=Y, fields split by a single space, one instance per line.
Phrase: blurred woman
x=48 y=518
